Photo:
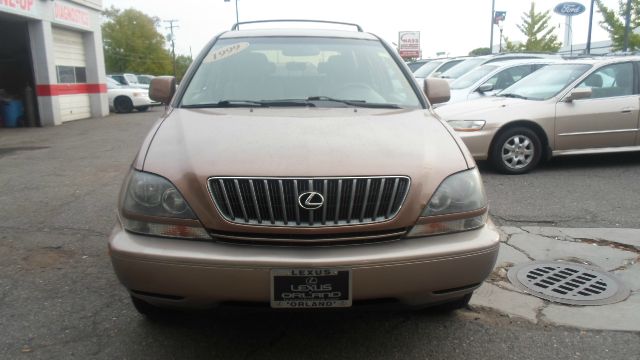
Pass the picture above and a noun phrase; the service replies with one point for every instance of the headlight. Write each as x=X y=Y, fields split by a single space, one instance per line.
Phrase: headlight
x=148 y=196
x=459 y=204
x=467 y=125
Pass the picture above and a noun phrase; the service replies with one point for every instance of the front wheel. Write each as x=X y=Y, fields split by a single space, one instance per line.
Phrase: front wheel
x=123 y=104
x=149 y=311
x=516 y=151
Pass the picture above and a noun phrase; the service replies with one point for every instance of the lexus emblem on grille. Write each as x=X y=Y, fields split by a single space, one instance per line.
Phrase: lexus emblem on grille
x=311 y=200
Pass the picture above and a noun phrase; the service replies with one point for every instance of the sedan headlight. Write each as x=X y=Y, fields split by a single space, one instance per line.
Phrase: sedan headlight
x=467 y=125
x=152 y=205
x=459 y=204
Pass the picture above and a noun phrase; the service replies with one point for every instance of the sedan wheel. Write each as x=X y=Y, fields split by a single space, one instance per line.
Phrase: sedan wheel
x=516 y=151
x=123 y=104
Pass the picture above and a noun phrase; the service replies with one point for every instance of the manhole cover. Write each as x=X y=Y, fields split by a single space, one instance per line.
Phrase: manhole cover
x=568 y=283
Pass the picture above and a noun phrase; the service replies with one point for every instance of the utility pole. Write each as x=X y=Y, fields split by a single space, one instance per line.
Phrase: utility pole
x=627 y=25
x=493 y=10
x=590 y=27
x=173 y=43
x=237 y=21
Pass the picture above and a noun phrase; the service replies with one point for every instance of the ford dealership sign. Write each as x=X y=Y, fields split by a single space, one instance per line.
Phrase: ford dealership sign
x=569 y=8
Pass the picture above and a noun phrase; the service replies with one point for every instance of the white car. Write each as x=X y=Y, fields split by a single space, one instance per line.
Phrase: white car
x=123 y=99
x=490 y=78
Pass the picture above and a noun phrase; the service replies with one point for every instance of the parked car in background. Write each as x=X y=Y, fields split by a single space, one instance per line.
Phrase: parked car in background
x=123 y=99
x=490 y=78
x=472 y=63
x=415 y=65
x=301 y=168
x=145 y=79
x=130 y=80
x=435 y=68
x=566 y=108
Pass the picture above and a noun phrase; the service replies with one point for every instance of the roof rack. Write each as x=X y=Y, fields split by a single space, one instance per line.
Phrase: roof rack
x=236 y=26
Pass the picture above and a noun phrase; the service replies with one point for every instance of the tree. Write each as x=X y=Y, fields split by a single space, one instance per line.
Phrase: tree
x=613 y=23
x=182 y=64
x=480 y=51
x=132 y=43
x=540 y=37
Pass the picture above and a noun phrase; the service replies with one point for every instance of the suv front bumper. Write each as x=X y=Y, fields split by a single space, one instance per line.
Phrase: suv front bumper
x=201 y=274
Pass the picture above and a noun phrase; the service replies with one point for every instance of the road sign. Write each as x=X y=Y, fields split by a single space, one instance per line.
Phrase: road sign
x=409 y=44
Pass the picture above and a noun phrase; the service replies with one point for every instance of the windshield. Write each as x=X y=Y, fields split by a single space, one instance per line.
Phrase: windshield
x=472 y=77
x=112 y=84
x=546 y=82
x=325 y=71
x=145 y=79
x=416 y=65
x=462 y=68
x=426 y=69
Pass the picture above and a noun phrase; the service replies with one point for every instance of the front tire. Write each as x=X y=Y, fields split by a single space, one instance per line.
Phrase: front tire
x=149 y=311
x=457 y=304
x=516 y=151
x=123 y=104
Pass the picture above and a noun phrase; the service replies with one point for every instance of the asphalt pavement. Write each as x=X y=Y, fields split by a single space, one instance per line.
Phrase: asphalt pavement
x=59 y=298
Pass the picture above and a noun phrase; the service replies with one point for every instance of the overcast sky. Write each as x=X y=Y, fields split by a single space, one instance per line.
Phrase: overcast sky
x=454 y=27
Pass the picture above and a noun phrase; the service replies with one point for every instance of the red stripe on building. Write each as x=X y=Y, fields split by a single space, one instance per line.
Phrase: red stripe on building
x=70 y=89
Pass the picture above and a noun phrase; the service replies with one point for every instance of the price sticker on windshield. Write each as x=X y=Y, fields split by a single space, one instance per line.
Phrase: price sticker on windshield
x=225 y=52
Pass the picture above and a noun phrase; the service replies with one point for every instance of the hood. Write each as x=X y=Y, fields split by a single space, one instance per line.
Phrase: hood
x=482 y=108
x=192 y=145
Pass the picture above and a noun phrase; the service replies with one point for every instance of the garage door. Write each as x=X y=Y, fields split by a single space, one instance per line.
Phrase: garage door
x=71 y=69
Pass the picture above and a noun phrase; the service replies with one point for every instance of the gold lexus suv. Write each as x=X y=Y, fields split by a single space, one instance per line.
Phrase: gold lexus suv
x=301 y=169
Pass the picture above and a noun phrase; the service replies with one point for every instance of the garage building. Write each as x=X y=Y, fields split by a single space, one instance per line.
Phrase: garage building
x=51 y=62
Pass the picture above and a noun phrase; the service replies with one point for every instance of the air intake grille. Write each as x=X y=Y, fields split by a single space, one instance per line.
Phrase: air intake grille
x=273 y=201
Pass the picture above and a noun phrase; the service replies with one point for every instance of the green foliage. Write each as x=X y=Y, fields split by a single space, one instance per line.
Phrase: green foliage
x=182 y=64
x=480 y=51
x=540 y=37
x=613 y=23
x=132 y=43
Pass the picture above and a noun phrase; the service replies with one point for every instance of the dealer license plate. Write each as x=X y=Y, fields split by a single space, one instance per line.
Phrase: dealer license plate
x=310 y=288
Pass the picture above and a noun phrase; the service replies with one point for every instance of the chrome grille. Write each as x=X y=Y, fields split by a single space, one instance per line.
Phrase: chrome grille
x=274 y=201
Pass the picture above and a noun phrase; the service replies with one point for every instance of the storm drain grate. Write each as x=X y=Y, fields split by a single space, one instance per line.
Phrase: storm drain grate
x=568 y=283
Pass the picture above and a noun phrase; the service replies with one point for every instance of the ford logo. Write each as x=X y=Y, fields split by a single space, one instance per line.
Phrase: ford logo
x=569 y=8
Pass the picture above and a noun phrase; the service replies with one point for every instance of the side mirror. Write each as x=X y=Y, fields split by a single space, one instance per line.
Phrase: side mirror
x=577 y=94
x=484 y=88
x=437 y=90
x=162 y=89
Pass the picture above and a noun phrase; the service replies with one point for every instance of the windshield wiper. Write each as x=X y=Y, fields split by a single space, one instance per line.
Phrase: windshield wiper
x=251 y=103
x=512 y=95
x=226 y=104
x=359 y=103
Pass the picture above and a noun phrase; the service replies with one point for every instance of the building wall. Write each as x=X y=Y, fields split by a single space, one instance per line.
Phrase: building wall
x=81 y=16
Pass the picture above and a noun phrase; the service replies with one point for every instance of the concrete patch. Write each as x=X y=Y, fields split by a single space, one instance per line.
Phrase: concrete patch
x=510 y=230
x=621 y=316
x=544 y=248
x=631 y=277
x=621 y=236
x=509 y=256
x=508 y=302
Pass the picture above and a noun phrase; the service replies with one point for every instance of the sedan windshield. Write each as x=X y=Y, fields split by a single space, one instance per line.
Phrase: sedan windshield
x=426 y=69
x=546 y=82
x=472 y=77
x=299 y=71
x=462 y=68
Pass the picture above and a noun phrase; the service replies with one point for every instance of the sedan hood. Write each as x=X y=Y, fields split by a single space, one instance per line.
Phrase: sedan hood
x=192 y=145
x=470 y=110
